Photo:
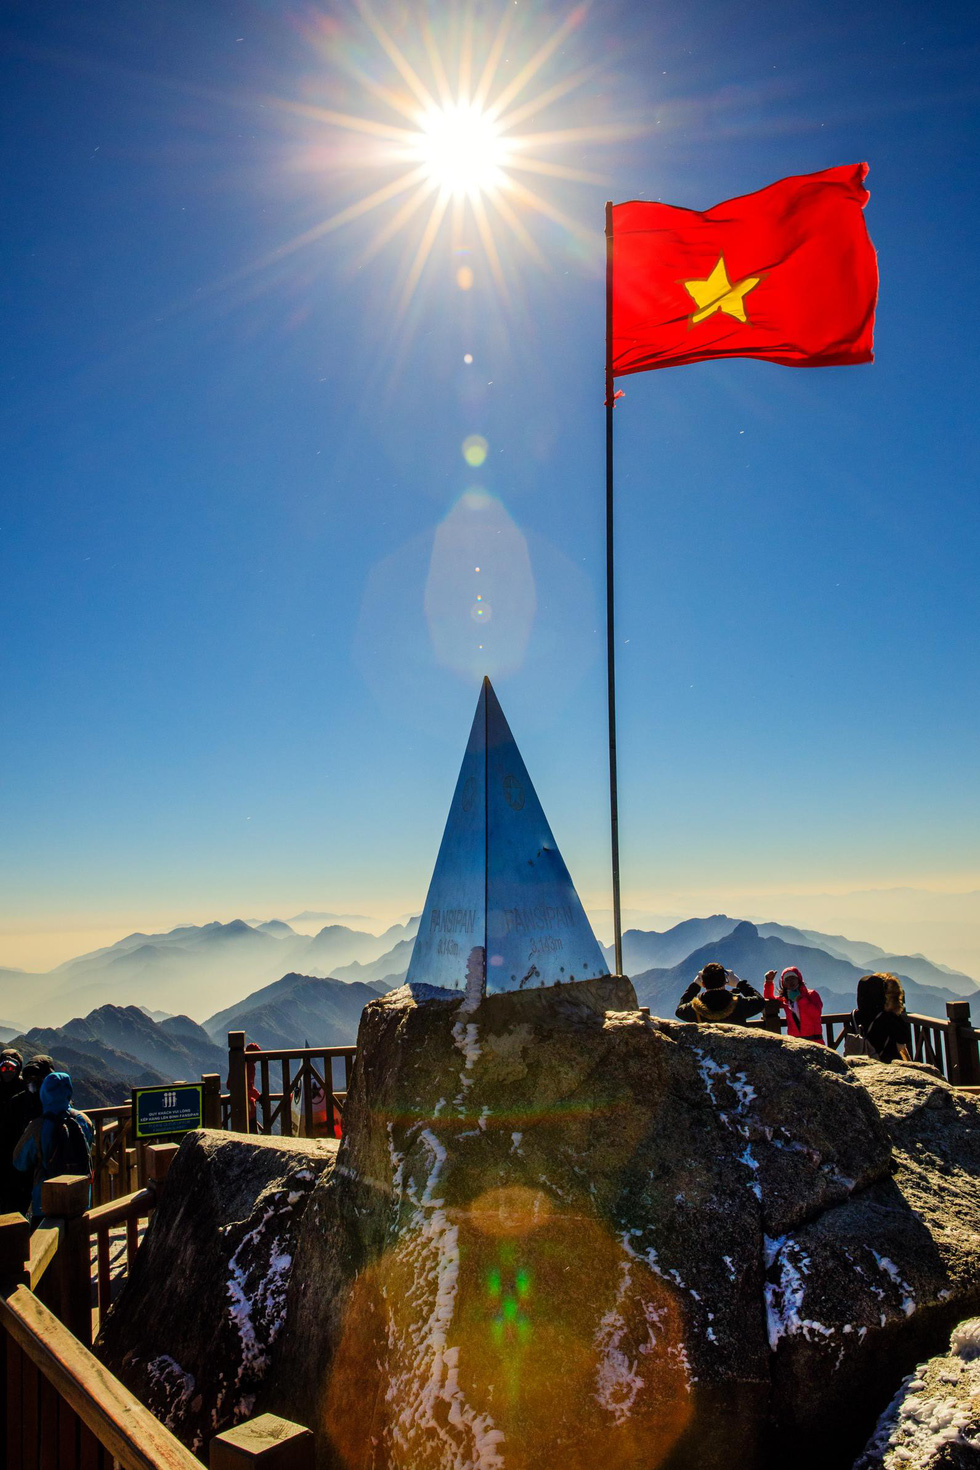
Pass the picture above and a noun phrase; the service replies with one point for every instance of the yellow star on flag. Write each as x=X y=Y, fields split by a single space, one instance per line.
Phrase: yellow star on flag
x=718 y=294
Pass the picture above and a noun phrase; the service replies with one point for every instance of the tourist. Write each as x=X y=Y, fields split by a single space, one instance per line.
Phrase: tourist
x=878 y=1026
x=11 y=1127
x=802 y=1007
x=58 y=1142
x=35 y=1072
x=717 y=994
x=23 y=1106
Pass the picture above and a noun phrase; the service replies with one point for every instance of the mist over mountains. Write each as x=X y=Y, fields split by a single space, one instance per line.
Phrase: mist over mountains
x=285 y=989
x=197 y=969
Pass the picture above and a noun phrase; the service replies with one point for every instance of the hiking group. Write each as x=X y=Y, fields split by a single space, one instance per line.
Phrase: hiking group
x=878 y=1027
x=41 y=1134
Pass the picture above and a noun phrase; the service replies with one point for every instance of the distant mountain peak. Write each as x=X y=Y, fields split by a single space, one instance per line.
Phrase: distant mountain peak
x=745 y=930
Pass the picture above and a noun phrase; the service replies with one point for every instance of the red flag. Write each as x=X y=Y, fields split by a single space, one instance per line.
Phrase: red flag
x=787 y=274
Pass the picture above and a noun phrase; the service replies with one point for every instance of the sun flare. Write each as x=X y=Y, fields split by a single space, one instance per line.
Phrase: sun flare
x=446 y=131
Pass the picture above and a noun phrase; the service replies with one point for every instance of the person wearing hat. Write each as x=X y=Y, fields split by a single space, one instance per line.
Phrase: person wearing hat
x=58 y=1142
x=717 y=994
x=802 y=1008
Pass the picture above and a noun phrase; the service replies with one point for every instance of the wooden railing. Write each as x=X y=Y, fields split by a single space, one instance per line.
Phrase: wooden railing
x=307 y=1100
x=63 y=1409
x=951 y=1046
x=60 y=1409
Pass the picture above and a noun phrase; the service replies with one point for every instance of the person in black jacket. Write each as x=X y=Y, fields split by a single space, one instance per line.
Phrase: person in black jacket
x=718 y=994
x=11 y=1126
x=880 y=1018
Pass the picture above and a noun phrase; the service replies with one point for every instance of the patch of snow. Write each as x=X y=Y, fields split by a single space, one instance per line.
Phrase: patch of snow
x=439 y=1157
x=466 y=1035
x=430 y=1417
x=742 y=1089
x=173 y=1385
x=515 y=1144
x=258 y=1276
x=618 y=1381
x=965 y=1342
x=915 y=1427
x=784 y=1299
x=889 y=1267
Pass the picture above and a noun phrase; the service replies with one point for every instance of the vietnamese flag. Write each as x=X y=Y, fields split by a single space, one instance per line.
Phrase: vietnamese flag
x=787 y=274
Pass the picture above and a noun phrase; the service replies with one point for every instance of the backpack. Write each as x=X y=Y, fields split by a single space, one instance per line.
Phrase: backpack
x=856 y=1044
x=70 y=1154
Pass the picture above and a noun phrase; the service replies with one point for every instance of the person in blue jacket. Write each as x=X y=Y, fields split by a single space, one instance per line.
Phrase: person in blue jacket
x=59 y=1142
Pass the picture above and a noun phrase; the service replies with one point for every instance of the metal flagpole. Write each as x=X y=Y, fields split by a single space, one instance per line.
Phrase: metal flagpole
x=610 y=602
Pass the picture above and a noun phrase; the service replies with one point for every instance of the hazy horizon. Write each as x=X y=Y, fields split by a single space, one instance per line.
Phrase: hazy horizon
x=940 y=923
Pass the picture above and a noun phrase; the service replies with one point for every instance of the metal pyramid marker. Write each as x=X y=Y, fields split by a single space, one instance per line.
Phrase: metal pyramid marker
x=501 y=911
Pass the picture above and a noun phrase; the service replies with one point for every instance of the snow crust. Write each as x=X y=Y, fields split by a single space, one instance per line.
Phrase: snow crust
x=430 y=1417
x=784 y=1298
x=920 y=1423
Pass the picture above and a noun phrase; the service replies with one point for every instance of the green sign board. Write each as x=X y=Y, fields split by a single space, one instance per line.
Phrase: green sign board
x=160 y=1112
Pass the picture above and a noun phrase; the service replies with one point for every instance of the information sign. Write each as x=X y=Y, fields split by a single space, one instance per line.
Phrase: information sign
x=160 y=1112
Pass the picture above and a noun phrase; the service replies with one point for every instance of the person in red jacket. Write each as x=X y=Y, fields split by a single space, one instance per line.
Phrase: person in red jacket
x=803 y=1008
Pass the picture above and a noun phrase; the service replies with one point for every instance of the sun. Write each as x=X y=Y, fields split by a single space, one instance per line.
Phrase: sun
x=459 y=130
x=464 y=153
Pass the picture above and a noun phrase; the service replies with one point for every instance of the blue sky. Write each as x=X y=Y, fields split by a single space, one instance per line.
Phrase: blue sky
x=233 y=470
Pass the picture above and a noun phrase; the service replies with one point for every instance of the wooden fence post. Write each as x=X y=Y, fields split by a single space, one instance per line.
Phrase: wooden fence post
x=772 y=1016
x=211 y=1098
x=267 y=1442
x=65 y=1199
x=961 y=1044
x=159 y=1157
x=15 y=1248
x=237 y=1082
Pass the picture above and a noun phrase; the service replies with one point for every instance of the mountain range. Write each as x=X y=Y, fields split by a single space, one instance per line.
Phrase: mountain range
x=121 y=1042
x=751 y=950
x=195 y=969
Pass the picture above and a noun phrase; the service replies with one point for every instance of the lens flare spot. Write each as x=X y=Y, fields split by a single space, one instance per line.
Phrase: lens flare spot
x=475 y=450
x=480 y=622
x=512 y=1210
x=464 y=279
x=467 y=358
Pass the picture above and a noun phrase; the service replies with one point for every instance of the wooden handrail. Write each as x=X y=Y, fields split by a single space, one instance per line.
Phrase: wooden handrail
x=293 y=1054
x=44 y=1247
x=117 y=1211
x=105 y=1406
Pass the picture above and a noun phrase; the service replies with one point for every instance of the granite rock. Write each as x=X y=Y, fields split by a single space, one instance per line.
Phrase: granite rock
x=558 y=1233
x=195 y=1325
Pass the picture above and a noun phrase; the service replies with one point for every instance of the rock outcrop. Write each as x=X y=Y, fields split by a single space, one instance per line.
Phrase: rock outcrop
x=194 y=1328
x=562 y=1232
x=933 y=1423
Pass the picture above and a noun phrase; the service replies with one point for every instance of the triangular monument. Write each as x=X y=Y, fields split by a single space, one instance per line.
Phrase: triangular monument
x=501 y=912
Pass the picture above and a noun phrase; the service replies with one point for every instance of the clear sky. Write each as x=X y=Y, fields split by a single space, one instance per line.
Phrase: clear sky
x=238 y=605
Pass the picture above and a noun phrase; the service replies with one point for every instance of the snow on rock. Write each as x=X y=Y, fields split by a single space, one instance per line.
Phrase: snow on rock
x=933 y=1422
x=430 y=1418
x=174 y=1390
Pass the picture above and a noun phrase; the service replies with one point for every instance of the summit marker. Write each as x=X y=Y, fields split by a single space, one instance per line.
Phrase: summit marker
x=502 y=912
